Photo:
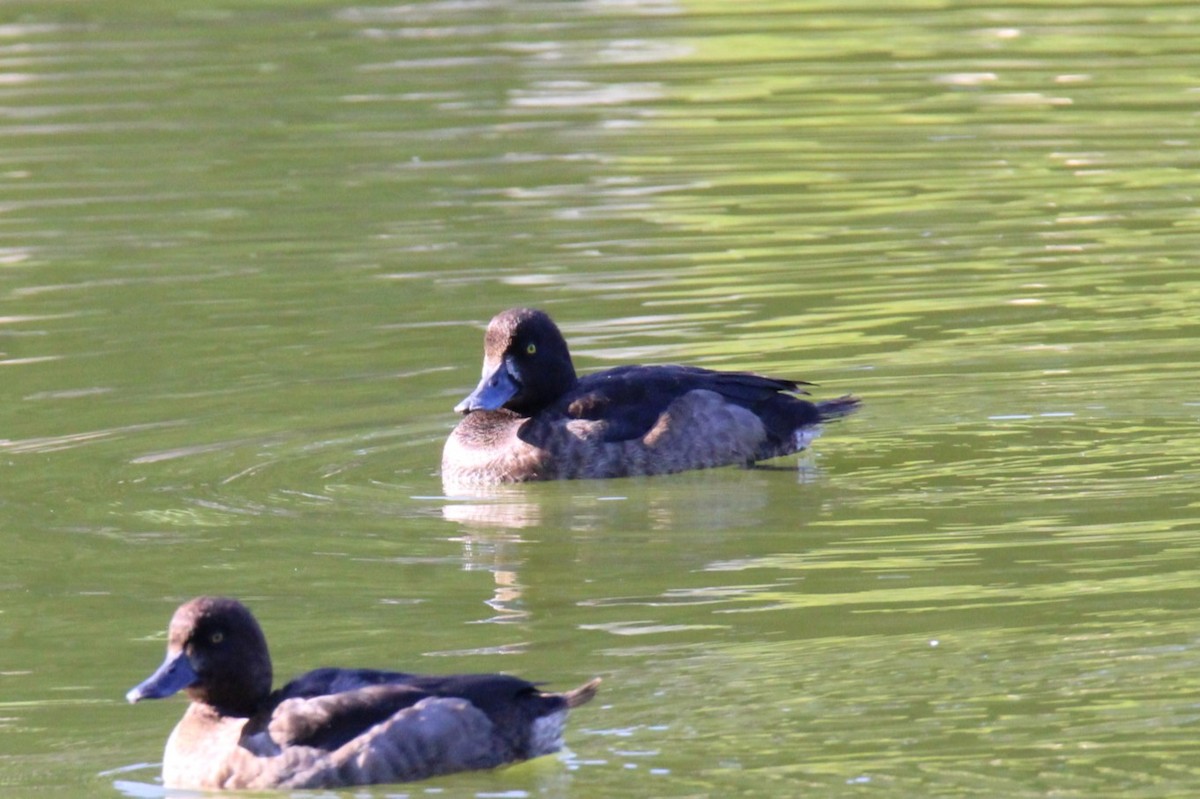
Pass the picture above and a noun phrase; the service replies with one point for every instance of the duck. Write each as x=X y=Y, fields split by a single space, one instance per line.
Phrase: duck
x=532 y=417
x=333 y=727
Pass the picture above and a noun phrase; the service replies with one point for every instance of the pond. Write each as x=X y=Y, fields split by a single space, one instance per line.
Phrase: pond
x=247 y=251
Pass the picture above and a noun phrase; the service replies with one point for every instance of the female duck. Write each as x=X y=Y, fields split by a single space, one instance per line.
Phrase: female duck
x=333 y=727
x=532 y=418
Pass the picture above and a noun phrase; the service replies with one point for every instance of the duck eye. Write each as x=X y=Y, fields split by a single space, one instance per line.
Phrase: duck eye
x=531 y=348
x=217 y=637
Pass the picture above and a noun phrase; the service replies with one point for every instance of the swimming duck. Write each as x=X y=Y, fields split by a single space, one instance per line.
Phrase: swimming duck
x=532 y=418
x=333 y=727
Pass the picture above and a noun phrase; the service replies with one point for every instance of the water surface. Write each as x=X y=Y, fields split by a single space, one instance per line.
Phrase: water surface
x=246 y=255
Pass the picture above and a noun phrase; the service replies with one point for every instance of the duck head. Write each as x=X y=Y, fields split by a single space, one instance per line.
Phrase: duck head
x=217 y=653
x=526 y=364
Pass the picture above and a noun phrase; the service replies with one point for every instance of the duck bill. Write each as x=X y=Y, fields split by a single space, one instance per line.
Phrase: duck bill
x=496 y=388
x=175 y=674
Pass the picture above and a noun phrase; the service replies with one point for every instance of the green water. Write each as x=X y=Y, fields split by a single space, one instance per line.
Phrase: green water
x=246 y=253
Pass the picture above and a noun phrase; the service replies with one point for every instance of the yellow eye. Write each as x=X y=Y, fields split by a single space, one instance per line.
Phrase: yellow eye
x=531 y=348
x=217 y=637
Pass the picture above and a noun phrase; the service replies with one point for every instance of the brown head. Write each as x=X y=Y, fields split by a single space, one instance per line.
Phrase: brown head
x=217 y=653
x=526 y=364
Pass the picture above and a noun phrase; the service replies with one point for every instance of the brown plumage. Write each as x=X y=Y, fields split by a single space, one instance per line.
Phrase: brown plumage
x=333 y=727
x=532 y=418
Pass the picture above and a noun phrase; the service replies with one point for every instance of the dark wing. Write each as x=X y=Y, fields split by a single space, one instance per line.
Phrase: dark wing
x=510 y=703
x=327 y=708
x=328 y=722
x=629 y=400
x=321 y=682
x=494 y=694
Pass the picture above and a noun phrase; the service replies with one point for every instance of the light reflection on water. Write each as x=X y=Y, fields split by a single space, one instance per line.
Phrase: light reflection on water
x=246 y=257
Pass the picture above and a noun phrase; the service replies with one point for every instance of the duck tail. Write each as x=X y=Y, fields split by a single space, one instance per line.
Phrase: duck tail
x=583 y=694
x=838 y=408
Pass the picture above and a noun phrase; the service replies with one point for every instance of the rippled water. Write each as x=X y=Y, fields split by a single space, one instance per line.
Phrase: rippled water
x=246 y=253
